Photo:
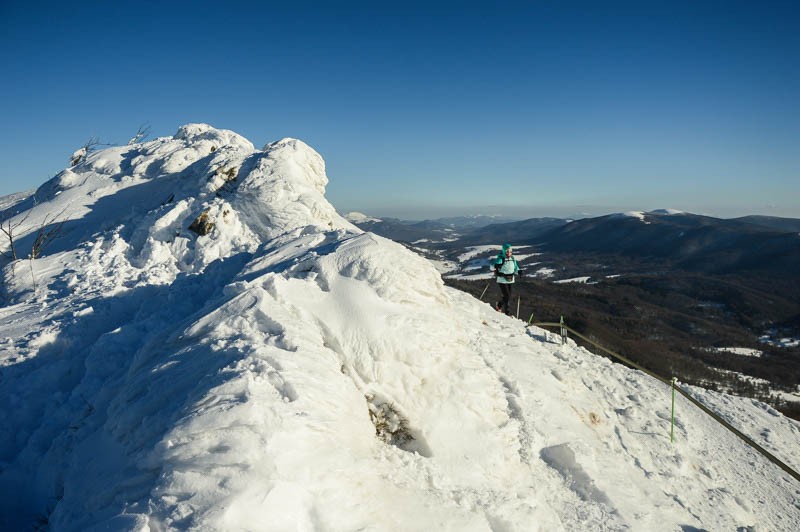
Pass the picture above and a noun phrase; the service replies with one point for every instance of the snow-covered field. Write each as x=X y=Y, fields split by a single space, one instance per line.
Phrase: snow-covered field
x=581 y=280
x=443 y=266
x=474 y=251
x=523 y=256
x=743 y=351
x=779 y=341
x=286 y=371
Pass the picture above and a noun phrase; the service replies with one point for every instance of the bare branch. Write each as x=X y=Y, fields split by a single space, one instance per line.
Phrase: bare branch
x=45 y=234
x=142 y=133
x=79 y=155
x=9 y=227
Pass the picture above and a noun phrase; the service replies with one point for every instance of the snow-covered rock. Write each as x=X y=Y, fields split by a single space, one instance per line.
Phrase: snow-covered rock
x=287 y=371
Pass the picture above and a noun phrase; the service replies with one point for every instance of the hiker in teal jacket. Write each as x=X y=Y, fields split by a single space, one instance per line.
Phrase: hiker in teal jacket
x=505 y=268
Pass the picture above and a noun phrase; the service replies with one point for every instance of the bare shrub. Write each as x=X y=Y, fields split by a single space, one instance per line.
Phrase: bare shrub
x=9 y=228
x=142 y=133
x=390 y=425
x=80 y=155
x=49 y=229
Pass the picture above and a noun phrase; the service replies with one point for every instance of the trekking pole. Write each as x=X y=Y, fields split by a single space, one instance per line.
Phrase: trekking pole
x=530 y=319
x=518 y=300
x=484 y=291
x=672 y=427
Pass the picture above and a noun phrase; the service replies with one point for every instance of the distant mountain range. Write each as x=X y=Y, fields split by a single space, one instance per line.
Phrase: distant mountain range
x=673 y=239
x=440 y=230
x=772 y=222
x=406 y=231
x=684 y=241
x=13 y=199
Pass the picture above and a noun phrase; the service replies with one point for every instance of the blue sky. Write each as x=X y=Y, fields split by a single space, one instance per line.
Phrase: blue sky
x=528 y=108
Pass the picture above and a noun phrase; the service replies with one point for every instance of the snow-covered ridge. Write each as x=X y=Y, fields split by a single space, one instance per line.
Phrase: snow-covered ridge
x=666 y=212
x=639 y=215
x=154 y=191
x=276 y=368
x=642 y=216
x=12 y=199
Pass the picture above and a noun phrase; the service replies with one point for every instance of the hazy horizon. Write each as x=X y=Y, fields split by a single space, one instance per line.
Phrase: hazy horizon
x=578 y=211
x=522 y=212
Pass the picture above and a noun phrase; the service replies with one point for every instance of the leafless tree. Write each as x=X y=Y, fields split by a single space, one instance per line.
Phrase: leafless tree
x=49 y=229
x=9 y=228
x=79 y=155
x=142 y=133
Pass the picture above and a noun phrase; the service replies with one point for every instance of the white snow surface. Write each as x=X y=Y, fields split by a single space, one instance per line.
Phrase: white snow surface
x=743 y=351
x=779 y=341
x=154 y=379
x=580 y=280
x=639 y=215
x=12 y=199
x=474 y=251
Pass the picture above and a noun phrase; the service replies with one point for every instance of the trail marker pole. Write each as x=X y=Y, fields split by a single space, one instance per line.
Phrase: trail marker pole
x=672 y=427
x=563 y=331
x=689 y=397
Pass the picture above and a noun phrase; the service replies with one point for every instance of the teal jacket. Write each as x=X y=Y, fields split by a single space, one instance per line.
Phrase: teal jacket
x=506 y=268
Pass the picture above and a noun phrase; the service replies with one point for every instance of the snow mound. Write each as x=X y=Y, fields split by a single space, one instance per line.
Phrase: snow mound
x=208 y=345
x=284 y=190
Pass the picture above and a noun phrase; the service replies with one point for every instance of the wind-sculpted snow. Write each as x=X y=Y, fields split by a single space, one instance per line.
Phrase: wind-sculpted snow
x=286 y=371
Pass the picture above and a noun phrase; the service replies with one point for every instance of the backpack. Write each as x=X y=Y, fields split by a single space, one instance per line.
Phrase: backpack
x=497 y=266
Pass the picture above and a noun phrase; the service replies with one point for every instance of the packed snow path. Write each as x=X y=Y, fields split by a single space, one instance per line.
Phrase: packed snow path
x=286 y=371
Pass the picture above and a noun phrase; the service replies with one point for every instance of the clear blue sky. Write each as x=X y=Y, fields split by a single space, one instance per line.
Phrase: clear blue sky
x=527 y=108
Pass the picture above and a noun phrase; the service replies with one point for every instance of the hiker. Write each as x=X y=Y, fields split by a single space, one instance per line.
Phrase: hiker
x=505 y=268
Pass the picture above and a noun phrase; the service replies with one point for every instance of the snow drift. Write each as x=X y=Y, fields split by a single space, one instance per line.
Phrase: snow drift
x=275 y=368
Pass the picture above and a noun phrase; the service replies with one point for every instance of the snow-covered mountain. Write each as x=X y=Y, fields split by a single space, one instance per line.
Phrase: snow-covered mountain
x=688 y=241
x=360 y=218
x=206 y=344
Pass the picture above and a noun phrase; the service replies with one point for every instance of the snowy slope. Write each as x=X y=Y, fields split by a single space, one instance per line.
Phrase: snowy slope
x=12 y=199
x=156 y=379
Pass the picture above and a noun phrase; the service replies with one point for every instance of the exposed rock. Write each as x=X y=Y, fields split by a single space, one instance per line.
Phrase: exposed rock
x=202 y=225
